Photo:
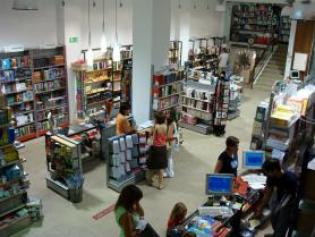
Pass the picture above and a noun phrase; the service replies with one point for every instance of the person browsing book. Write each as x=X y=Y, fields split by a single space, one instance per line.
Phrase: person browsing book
x=123 y=125
x=227 y=162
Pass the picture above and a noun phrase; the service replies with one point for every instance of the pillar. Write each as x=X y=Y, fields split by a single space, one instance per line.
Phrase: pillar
x=151 y=35
x=68 y=25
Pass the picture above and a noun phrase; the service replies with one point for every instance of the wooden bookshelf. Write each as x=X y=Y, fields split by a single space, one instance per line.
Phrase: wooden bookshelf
x=94 y=86
x=256 y=24
x=167 y=87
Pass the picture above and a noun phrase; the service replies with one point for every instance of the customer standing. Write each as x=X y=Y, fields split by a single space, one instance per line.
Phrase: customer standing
x=123 y=125
x=224 y=59
x=284 y=205
x=173 y=141
x=128 y=210
x=228 y=160
x=157 y=160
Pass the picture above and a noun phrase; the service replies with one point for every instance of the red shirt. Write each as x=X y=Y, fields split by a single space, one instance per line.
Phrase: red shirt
x=173 y=223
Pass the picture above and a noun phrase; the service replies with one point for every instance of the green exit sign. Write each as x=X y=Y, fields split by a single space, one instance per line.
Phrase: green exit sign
x=73 y=39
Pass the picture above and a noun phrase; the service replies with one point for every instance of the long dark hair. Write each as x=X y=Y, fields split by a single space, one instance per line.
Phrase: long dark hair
x=130 y=195
x=172 y=117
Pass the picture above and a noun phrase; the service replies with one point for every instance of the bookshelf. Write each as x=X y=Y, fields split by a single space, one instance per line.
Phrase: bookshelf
x=285 y=28
x=49 y=79
x=167 y=87
x=34 y=83
x=126 y=75
x=197 y=106
x=256 y=24
x=94 y=86
x=15 y=212
x=175 y=53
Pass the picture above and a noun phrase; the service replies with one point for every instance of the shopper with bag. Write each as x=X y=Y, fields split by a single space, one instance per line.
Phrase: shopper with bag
x=157 y=160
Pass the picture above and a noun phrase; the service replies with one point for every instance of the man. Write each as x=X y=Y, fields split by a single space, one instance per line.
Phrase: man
x=283 y=208
x=122 y=123
x=228 y=160
x=224 y=59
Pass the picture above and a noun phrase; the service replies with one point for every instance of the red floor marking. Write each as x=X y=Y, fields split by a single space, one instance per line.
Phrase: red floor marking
x=104 y=212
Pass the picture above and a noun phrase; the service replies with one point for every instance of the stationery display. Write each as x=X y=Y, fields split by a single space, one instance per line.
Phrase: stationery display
x=285 y=129
x=64 y=167
x=127 y=160
x=35 y=82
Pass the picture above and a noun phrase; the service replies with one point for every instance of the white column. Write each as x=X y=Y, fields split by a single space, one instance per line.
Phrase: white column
x=151 y=35
x=68 y=25
x=290 y=49
x=184 y=28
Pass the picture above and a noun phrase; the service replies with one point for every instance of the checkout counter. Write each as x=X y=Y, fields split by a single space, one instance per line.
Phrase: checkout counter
x=229 y=210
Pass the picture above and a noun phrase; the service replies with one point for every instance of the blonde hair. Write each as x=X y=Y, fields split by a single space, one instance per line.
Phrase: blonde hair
x=179 y=211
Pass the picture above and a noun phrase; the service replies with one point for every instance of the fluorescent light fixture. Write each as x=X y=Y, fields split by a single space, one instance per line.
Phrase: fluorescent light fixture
x=89 y=58
x=116 y=52
x=25 y=5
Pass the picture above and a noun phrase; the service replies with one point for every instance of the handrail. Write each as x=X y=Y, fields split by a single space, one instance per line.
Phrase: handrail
x=263 y=64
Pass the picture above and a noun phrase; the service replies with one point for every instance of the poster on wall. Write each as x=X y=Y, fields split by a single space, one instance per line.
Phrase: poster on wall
x=300 y=61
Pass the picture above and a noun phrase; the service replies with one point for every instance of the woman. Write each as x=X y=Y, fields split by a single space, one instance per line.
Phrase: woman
x=128 y=211
x=157 y=161
x=172 y=142
x=122 y=123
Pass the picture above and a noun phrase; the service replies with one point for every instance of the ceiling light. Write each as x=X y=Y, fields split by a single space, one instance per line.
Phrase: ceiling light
x=25 y=5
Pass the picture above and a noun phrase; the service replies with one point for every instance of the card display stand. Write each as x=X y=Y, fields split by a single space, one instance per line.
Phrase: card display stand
x=15 y=213
x=167 y=87
x=64 y=167
x=34 y=83
x=127 y=157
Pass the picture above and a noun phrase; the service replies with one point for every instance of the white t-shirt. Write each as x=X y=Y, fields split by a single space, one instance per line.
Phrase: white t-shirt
x=224 y=58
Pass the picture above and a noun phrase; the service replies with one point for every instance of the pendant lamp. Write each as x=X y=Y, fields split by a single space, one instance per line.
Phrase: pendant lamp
x=89 y=53
x=103 y=38
x=116 y=48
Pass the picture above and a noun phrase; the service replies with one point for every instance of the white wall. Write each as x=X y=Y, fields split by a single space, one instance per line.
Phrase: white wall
x=204 y=22
x=29 y=28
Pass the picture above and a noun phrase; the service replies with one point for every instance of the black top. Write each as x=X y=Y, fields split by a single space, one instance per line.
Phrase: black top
x=286 y=184
x=229 y=164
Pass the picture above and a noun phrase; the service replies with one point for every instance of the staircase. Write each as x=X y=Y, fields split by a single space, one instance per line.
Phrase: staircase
x=274 y=70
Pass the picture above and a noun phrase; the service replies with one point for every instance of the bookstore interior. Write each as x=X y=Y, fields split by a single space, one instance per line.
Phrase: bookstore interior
x=147 y=118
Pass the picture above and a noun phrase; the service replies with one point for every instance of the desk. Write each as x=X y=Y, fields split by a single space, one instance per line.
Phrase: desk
x=227 y=218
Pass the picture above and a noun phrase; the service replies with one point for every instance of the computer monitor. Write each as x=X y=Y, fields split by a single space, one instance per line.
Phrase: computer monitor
x=219 y=184
x=295 y=75
x=253 y=159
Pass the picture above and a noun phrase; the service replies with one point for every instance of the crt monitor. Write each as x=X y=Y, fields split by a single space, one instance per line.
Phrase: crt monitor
x=219 y=184
x=295 y=75
x=253 y=159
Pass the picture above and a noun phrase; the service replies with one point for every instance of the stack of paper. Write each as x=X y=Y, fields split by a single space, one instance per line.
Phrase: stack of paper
x=255 y=181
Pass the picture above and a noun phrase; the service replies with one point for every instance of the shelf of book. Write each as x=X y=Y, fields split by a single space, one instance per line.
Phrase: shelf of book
x=175 y=53
x=167 y=87
x=94 y=86
x=31 y=78
x=13 y=198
